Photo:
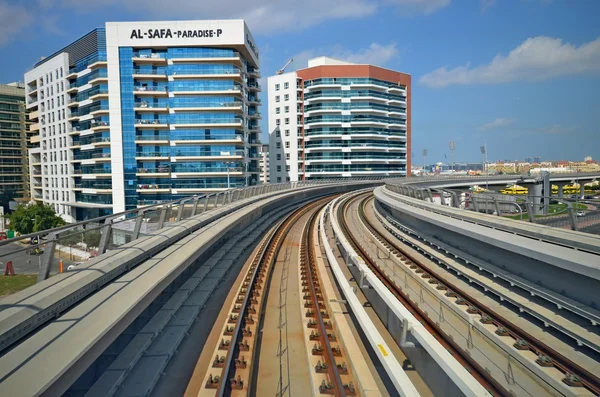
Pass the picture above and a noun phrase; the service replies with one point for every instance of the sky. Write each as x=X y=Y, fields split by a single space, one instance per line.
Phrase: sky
x=521 y=76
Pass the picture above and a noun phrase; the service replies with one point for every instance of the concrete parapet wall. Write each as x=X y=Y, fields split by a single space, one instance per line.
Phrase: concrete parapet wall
x=566 y=271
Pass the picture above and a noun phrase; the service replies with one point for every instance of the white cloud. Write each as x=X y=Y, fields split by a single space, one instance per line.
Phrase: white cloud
x=498 y=123
x=376 y=54
x=486 y=4
x=419 y=6
x=262 y=16
x=536 y=58
x=14 y=20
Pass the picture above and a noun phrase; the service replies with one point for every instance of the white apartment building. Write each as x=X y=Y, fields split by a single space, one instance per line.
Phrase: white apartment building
x=337 y=119
x=264 y=165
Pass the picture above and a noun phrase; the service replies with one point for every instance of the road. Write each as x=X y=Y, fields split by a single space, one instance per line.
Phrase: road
x=24 y=263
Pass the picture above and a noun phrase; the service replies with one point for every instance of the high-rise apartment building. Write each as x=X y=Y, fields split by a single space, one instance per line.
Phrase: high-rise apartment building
x=264 y=164
x=337 y=119
x=14 y=130
x=138 y=113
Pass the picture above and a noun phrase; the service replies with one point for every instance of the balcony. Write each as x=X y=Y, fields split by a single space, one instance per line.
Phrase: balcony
x=34 y=127
x=236 y=90
x=154 y=172
x=149 y=58
x=254 y=101
x=187 y=106
x=150 y=74
x=207 y=123
x=152 y=155
x=34 y=115
x=156 y=123
x=255 y=115
x=153 y=188
x=253 y=86
x=35 y=139
x=226 y=58
x=235 y=74
x=145 y=106
x=150 y=91
x=152 y=140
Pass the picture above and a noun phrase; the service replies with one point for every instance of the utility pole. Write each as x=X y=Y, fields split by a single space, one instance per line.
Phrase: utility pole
x=424 y=159
x=452 y=146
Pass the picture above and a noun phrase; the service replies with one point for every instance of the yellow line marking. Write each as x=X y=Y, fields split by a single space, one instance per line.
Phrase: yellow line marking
x=383 y=351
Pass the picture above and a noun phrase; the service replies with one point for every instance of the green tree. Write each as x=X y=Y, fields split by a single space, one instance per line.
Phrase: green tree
x=34 y=218
x=92 y=238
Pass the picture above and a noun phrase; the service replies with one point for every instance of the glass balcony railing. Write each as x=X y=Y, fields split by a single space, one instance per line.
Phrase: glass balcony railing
x=94 y=185
x=158 y=71
x=153 y=186
x=159 y=170
x=191 y=169
x=152 y=154
x=160 y=120
x=152 y=138
x=89 y=156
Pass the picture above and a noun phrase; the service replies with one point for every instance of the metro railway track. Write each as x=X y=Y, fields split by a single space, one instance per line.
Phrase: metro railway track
x=235 y=365
x=482 y=377
x=574 y=375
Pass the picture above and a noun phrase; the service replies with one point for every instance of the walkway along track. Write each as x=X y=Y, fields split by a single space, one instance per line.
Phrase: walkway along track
x=236 y=356
x=479 y=373
x=575 y=376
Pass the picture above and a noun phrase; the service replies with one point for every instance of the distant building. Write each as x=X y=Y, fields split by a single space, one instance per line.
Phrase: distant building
x=537 y=159
x=336 y=119
x=264 y=165
x=14 y=129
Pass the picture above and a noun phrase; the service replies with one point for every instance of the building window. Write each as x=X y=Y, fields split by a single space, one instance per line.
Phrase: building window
x=277 y=122
x=278 y=168
x=276 y=87
x=278 y=156
x=287 y=132
x=277 y=98
x=277 y=110
x=287 y=168
x=278 y=145
x=287 y=144
x=287 y=178
x=286 y=85
x=287 y=109
x=287 y=156
x=278 y=134
x=286 y=97
x=287 y=120
x=278 y=179
x=61 y=72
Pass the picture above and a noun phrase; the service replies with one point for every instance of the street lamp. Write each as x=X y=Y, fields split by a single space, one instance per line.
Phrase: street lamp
x=452 y=146
x=228 y=163
x=484 y=163
x=424 y=160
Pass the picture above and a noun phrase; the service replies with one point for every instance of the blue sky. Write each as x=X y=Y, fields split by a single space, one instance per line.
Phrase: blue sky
x=521 y=75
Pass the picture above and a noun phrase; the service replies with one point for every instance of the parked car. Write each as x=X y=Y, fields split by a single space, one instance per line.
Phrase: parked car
x=580 y=213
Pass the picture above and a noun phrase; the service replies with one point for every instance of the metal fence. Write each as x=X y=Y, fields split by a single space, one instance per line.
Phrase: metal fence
x=52 y=251
x=576 y=215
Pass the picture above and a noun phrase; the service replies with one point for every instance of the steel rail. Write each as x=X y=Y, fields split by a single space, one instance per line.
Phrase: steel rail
x=560 y=362
x=479 y=373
